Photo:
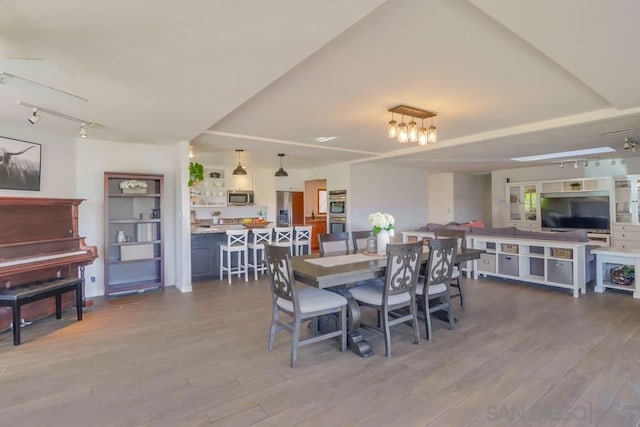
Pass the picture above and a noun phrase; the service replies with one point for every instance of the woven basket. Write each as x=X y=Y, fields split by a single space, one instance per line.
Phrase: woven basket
x=134 y=191
x=564 y=253
x=509 y=248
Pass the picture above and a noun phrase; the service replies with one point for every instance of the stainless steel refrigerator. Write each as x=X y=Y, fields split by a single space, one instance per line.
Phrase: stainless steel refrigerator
x=289 y=208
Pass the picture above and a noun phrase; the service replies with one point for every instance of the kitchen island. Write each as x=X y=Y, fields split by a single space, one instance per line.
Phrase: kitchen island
x=205 y=250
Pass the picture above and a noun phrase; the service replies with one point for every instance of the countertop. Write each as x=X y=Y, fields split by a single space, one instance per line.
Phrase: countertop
x=218 y=228
x=309 y=220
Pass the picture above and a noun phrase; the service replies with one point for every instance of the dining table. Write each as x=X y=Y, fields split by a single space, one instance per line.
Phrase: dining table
x=338 y=271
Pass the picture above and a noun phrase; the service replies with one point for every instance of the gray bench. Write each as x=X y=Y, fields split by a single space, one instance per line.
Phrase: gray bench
x=21 y=295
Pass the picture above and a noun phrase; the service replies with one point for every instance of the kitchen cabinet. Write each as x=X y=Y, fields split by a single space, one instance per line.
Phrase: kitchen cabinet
x=133 y=235
x=203 y=257
x=318 y=226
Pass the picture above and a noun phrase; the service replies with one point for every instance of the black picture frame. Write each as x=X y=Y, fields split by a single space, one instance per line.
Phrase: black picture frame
x=20 y=164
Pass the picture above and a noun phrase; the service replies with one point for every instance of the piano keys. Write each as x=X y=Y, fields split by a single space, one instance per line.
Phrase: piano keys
x=39 y=240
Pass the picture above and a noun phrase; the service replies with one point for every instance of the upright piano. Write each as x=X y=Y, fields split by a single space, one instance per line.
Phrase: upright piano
x=39 y=241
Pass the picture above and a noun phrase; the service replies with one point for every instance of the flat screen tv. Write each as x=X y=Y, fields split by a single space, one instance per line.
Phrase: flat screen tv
x=586 y=211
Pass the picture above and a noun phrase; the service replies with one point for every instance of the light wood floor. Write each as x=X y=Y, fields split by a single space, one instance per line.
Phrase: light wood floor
x=520 y=355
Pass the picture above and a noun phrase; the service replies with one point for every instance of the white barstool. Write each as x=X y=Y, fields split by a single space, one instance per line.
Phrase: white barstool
x=283 y=237
x=302 y=239
x=236 y=242
x=260 y=237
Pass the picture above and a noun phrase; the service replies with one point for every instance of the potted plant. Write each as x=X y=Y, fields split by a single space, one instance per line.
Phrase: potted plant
x=196 y=173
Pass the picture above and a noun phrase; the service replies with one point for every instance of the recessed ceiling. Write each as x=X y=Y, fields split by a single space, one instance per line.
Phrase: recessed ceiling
x=271 y=77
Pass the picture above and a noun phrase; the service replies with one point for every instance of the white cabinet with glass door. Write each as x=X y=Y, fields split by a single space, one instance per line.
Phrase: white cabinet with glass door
x=625 y=200
x=625 y=230
x=523 y=207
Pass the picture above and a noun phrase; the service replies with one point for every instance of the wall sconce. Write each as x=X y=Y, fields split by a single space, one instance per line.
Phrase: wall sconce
x=410 y=133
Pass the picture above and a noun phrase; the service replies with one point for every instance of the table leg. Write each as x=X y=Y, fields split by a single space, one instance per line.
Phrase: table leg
x=355 y=339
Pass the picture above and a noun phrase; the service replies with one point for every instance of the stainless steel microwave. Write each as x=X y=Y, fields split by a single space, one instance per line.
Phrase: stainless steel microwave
x=239 y=197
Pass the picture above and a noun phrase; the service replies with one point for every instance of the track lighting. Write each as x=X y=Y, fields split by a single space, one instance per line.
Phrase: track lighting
x=239 y=170
x=583 y=162
x=281 y=171
x=34 y=117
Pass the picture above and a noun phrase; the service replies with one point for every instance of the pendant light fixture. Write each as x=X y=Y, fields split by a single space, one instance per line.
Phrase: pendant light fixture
x=239 y=170
x=410 y=133
x=281 y=171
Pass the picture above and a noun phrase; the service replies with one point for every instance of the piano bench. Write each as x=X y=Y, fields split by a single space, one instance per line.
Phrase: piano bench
x=24 y=294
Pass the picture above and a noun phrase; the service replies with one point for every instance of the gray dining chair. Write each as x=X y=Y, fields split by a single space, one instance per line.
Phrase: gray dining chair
x=434 y=286
x=300 y=305
x=461 y=235
x=359 y=239
x=398 y=292
x=334 y=243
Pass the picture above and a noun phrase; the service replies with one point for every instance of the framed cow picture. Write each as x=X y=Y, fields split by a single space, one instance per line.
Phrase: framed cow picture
x=19 y=164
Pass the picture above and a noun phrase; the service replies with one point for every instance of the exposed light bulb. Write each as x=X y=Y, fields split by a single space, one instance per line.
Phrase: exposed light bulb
x=413 y=131
x=403 y=133
x=432 y=133
x=83 y=131
x=393 y=128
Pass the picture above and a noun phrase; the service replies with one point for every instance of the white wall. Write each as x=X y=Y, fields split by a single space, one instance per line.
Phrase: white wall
x=615 y=167
x=57 y=173
x=93 y=158
x=471 y=197
x=388 y=189
x=440 y=198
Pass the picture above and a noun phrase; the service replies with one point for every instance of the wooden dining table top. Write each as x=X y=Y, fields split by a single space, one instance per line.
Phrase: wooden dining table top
x=336 y=275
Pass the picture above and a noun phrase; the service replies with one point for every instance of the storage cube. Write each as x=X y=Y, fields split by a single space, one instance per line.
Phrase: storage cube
x=487 y=263
x=560 y=271
x=131 y=252
x=508 y=265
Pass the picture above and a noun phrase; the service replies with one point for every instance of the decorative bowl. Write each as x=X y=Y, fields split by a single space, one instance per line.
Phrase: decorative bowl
x=251 y=225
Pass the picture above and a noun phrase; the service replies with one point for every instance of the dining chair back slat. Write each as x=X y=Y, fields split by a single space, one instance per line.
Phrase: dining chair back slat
x=359 y=239
x=334 y=243
x=461 y=236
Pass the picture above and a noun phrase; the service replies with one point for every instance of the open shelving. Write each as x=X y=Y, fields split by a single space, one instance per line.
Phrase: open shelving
x=552 y=263
x=135 y=264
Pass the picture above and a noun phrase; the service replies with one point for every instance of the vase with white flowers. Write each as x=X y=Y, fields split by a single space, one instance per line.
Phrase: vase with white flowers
x=383 y=229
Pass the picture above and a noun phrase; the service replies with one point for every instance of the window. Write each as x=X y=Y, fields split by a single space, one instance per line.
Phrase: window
x=322 y=201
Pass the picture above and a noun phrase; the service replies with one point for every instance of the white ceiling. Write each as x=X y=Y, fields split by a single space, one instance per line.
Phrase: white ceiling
x=505 y=78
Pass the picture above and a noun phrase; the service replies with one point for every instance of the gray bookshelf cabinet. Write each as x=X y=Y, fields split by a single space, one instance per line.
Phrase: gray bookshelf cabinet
x=134 y=249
